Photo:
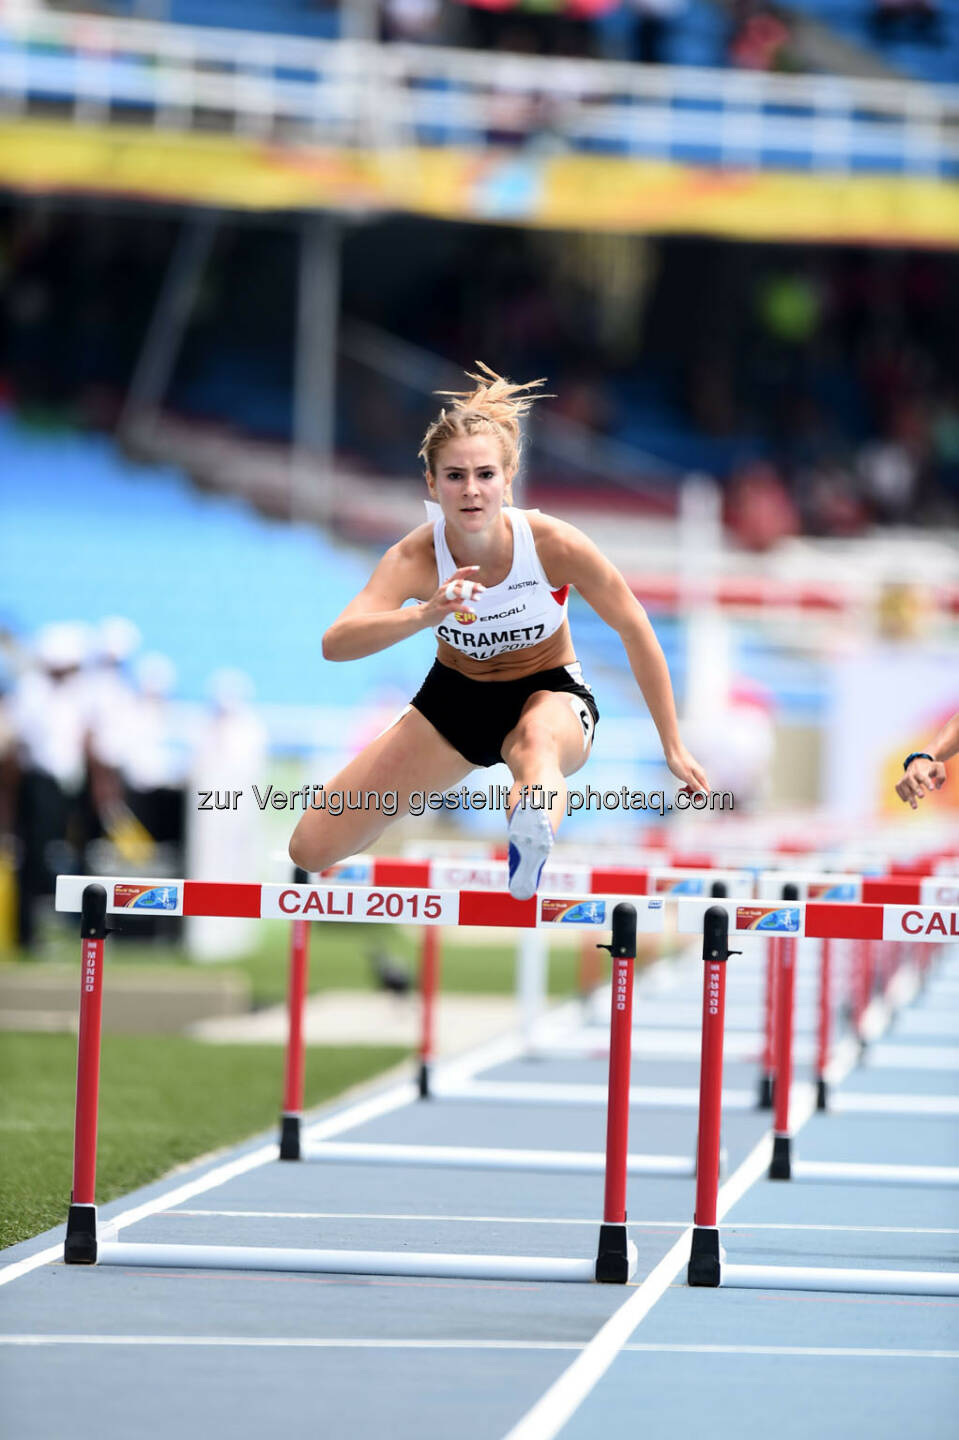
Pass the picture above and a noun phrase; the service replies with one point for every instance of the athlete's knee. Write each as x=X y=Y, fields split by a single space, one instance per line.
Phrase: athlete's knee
x=299 y=850
x=310 y=852
x=535 y=733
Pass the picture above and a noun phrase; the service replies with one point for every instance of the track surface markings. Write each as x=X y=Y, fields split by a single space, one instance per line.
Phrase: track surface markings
x=301 y=1342
x=564 y=1397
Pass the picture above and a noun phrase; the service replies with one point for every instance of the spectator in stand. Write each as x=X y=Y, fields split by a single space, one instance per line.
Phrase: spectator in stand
x=50 y=714
x=411 y=21
x=906 y=20
x=8 y=847
x=654 y=20
x=157 y=765
x=759 y=509
x=945 y=440
x=760 y=39
x=830 y=500
x=111 y=706
x=888 y=475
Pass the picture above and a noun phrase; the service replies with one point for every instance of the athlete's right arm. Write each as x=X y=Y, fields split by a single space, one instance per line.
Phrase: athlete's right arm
x=377 y=618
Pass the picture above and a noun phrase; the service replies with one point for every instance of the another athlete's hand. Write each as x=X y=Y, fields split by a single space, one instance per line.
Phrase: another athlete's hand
x=921 y=776
x=685 y=768
x=454 y=594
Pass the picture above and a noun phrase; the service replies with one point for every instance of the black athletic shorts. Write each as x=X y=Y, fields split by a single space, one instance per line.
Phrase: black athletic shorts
x=476 y=716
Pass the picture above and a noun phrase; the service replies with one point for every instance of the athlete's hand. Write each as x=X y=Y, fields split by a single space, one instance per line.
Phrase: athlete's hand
x=685 y=768
x=921 y=776
x=454 y=594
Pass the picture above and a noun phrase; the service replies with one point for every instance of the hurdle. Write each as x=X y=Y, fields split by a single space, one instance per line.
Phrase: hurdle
x=294 y=1147
x=844 y=888
x=488 y=871
x=616 y=1256
x=783 y=1166
x=707 y=1265
x=96 y=898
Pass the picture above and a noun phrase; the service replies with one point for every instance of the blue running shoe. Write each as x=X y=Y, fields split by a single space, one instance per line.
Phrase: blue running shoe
x=530 y=841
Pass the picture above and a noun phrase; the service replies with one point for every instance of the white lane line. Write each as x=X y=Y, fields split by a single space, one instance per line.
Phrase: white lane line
x=304 y=1342
x=296 y=1342
x=426 y=1219
x=364 y=1110
x=879 y=1102
x=559 y=1403
x=564 y=1397
x=359 y=1113
x=734 y=1225
x=900 y=1055
x=837 y=1352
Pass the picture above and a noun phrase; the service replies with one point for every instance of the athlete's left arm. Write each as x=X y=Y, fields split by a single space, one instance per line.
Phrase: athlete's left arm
x=570 y=557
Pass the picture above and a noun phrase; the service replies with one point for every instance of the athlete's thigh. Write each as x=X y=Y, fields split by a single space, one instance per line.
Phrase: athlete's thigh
x=409 y=756
x=568 y=720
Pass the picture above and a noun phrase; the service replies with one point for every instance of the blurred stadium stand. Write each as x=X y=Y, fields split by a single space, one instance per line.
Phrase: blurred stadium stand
x=205 y=579
x=214 y=584
x=918 y=38
x=191 y=193
x=915 y=38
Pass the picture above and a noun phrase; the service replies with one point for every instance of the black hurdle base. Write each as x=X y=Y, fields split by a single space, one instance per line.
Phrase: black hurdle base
x=704 y=1257
x=822 y=1093
x=765 y=1100
x=780 y=1167
x=290 y=1137
x=423 y=1080
x=80 y=1245
x=612 y=1257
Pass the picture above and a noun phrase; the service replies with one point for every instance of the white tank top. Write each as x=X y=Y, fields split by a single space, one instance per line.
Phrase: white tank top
x=520 y=611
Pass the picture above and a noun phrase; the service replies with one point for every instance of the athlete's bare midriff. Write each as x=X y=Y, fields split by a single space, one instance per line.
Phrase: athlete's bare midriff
x=557 y=649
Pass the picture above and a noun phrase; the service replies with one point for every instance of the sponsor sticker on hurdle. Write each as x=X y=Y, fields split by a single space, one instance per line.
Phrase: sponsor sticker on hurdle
x=351 y=872
x=665 y=883
x=457 y=876
x=572 y=912
x=846 y=890
x=353 y=903
x=769 y=919
x=147 y=897
x=928 y=923
x=934 y=891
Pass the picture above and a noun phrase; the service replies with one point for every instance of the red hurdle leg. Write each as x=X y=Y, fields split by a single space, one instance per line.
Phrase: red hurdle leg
x=704 y=1262
x=80 y=1246
x=824 y=1036
x=612 y=1262
x=780 y=1167
x=767 y=1073
x=864 y=977
x=295 y=1043
x=429 y=979
x=589 y=970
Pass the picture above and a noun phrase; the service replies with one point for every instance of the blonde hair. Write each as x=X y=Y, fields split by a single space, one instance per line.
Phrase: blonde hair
x=494 y=407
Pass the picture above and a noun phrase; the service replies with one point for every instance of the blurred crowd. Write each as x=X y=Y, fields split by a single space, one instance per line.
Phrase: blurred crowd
x=819 y=385
x=747 y=34
x=96 y=760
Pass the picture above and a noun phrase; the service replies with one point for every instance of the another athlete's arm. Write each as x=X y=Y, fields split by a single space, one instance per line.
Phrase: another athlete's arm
x=925 y=774
x=569 y=556
x=377 y=618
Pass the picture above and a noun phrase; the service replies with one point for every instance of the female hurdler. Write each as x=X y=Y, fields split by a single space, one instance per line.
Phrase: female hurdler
x=492 y=583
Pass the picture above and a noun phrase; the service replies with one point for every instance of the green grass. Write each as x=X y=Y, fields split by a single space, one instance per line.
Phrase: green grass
x=164 y=1099
x=339 y=959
